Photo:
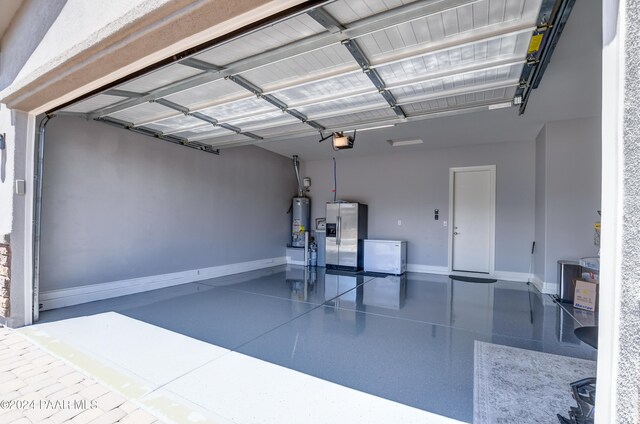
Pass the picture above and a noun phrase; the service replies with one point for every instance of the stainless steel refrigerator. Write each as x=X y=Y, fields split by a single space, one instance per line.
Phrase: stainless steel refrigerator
x=346 y=230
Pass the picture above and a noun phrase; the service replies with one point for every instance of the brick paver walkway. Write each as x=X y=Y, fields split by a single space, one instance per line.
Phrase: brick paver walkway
x=36 y=387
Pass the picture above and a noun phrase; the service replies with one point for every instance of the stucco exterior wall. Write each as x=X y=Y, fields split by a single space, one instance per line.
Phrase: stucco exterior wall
x=89 y=44
x=62 y=23
x=7 y=170
x=21 y=222
x=628 y=383
x=618 y=398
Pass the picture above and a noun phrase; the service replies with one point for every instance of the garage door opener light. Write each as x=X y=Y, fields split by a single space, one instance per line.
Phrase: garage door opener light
x=339 y=141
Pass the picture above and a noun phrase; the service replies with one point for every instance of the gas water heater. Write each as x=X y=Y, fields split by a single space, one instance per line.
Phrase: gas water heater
x=300 y=211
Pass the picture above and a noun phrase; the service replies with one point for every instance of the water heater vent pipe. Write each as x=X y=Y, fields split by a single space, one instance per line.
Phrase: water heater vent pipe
x=296 y=166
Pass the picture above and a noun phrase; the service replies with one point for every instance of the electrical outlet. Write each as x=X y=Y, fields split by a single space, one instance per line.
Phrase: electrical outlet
x=444 y=223
x=399 y=223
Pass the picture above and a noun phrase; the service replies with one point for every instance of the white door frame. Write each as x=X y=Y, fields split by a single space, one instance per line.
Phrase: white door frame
x=492 y=229
x=610 y=315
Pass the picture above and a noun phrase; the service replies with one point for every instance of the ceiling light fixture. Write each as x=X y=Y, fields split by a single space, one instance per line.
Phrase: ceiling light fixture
x=500 y=105
x=374 y=128
x=398 y=143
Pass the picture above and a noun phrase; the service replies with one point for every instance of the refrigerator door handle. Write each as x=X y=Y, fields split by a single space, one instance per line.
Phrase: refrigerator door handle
x=339 y=230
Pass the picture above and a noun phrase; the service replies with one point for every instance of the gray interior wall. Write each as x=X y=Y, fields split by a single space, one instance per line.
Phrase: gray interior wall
x=410 y=184
x=119 y=205
x=541 y=205
x=573 y=188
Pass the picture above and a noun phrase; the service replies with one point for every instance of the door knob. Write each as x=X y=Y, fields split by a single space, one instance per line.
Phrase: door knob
x=455 y=233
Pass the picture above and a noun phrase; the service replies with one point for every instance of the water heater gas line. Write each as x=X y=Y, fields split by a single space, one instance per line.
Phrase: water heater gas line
x=306 y=248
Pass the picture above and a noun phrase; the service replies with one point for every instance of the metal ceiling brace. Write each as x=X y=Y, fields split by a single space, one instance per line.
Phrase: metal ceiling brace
x=485 y=105
x=123 y=93
x=364 y=124
x=463 y=40
x=508 y=61
x=453 y=42
x=172 y=105
x=249 y=86
x=333 y=26
x=476 y=88
x=205 y=118
x=336 y=33
x=373 y=75
x=187 y=128
x=455 y=71
x=182 y=110
x=200 y=64
x=156 y=134
x=390 y=18
x=193 y=112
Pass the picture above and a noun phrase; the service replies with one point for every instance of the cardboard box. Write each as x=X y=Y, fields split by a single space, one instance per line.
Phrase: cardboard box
x=586 y=295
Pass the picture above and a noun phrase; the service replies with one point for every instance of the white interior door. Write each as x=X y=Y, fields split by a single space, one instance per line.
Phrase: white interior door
x=472 y=219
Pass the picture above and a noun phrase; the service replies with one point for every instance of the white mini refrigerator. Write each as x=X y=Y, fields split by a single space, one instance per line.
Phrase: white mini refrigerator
x=385 y=256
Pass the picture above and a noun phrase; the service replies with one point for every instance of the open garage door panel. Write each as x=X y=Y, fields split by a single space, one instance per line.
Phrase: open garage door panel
x=338 y=66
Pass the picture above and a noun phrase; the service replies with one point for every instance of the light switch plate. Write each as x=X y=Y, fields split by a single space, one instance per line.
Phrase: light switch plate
x=20 y=187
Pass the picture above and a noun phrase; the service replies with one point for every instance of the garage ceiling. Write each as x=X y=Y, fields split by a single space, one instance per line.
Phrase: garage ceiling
x=341 y=66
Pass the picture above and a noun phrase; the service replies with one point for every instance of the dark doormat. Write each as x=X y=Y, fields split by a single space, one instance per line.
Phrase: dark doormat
x=373 y=274
x=472 y=279
x=589 y=335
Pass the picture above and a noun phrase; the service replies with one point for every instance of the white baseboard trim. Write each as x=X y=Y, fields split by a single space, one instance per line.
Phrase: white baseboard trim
x=443 y=270
x=53 y=299
x=428 y=269
x=544 y=287
x=511 y=276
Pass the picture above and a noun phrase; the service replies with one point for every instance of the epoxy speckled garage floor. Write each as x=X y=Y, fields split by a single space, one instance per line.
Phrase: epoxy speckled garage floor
x=408 y=340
